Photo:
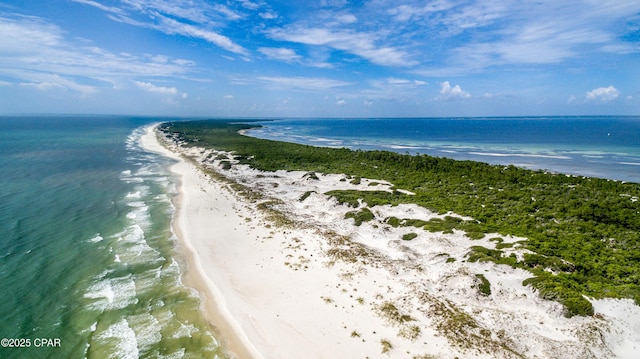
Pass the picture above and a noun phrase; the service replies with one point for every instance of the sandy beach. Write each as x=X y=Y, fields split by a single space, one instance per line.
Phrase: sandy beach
x=282 y=274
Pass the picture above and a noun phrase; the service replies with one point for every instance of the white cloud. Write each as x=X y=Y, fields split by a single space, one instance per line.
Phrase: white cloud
x=173 y=27
x=249 y=5
x=346 y=18
x=169 y=16
x=268 y=15
x=357 y=43
x=448 y=93
x=341 y=102
x=27 y=35
x=281 y=54
x=228 y=13
x=303 y=83
x=192 y=10
x=44 y=82
x=602 y=94
x=228 y=97
x=405 y=82
x=170 y=91
x=406 y=12
x=44 y=86
x=111 y=9
x=520 y=33
x=35 y=51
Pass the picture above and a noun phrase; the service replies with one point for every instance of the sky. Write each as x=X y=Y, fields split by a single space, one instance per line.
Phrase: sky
x=326 y=58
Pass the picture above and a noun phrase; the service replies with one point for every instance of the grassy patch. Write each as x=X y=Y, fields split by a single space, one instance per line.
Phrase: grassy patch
x=483 y=285
x=389 y=311
x=361 y=216
x=386 y=346
x=409 y=236
x=305 y=195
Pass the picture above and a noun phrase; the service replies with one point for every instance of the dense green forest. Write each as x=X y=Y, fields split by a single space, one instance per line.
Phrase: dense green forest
x=585 y=232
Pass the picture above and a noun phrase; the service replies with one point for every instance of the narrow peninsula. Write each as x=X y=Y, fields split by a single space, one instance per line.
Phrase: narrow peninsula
x=330 y=252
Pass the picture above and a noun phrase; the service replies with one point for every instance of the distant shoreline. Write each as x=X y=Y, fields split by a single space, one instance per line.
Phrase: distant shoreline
x=483 y=139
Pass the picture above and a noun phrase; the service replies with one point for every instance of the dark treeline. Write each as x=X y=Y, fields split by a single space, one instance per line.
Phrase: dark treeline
x=590 y=226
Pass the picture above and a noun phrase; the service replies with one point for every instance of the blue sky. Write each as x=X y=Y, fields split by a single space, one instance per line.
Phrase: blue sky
x=327 y=58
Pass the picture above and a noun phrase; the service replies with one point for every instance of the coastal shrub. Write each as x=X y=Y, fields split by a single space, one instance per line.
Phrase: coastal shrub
x=311 y=175
x=564 y=289
x=305 y=195
x=371 y=198
x=475 y=235
x=409 y=236
x=225 y=165
x=483 y=254
x=446 y=224
x=411 y=332
x=413 y=222
x=555 y=264
x=577 y=305
x=502 y=245
x=363 y=215
x=393 y=314
x=393 y=222
x=386 y=346
x=483 y=286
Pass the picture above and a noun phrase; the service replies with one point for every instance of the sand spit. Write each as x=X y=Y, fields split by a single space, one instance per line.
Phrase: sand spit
x=283 y=274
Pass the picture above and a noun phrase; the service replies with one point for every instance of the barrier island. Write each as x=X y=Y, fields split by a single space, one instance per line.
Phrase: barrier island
x=570 y=240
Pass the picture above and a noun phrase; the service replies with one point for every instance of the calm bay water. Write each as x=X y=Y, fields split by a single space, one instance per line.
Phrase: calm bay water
x=86 y=254
x=607 y=147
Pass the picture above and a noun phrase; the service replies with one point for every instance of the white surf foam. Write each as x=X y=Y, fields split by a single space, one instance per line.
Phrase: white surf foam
x=127 y=347
x=96 y=239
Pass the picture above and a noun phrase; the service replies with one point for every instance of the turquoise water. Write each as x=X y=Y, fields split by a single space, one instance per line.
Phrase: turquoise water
x=607 y=147
x=87 y=256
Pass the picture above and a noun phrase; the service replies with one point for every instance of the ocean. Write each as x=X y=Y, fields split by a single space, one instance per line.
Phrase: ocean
x=89 y=266
x=88 y=262
x=604 y=147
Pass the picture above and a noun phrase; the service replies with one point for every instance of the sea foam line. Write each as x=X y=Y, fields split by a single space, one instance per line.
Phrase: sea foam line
x=496 y=154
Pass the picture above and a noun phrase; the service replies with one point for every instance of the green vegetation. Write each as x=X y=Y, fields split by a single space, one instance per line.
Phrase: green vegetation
x=585 y=230
x=409 y=236
x=363 y=215
x=305 y=195
x=386 y=346
x=462 y=330
x=393 y=314
x=411 y=332
x=484 y=287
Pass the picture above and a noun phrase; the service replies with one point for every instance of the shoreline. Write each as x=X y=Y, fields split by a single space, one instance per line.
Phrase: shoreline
x=329 y=288
x=194 y=276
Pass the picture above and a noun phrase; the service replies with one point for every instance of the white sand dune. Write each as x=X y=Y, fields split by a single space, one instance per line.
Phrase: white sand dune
x=285 y=278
